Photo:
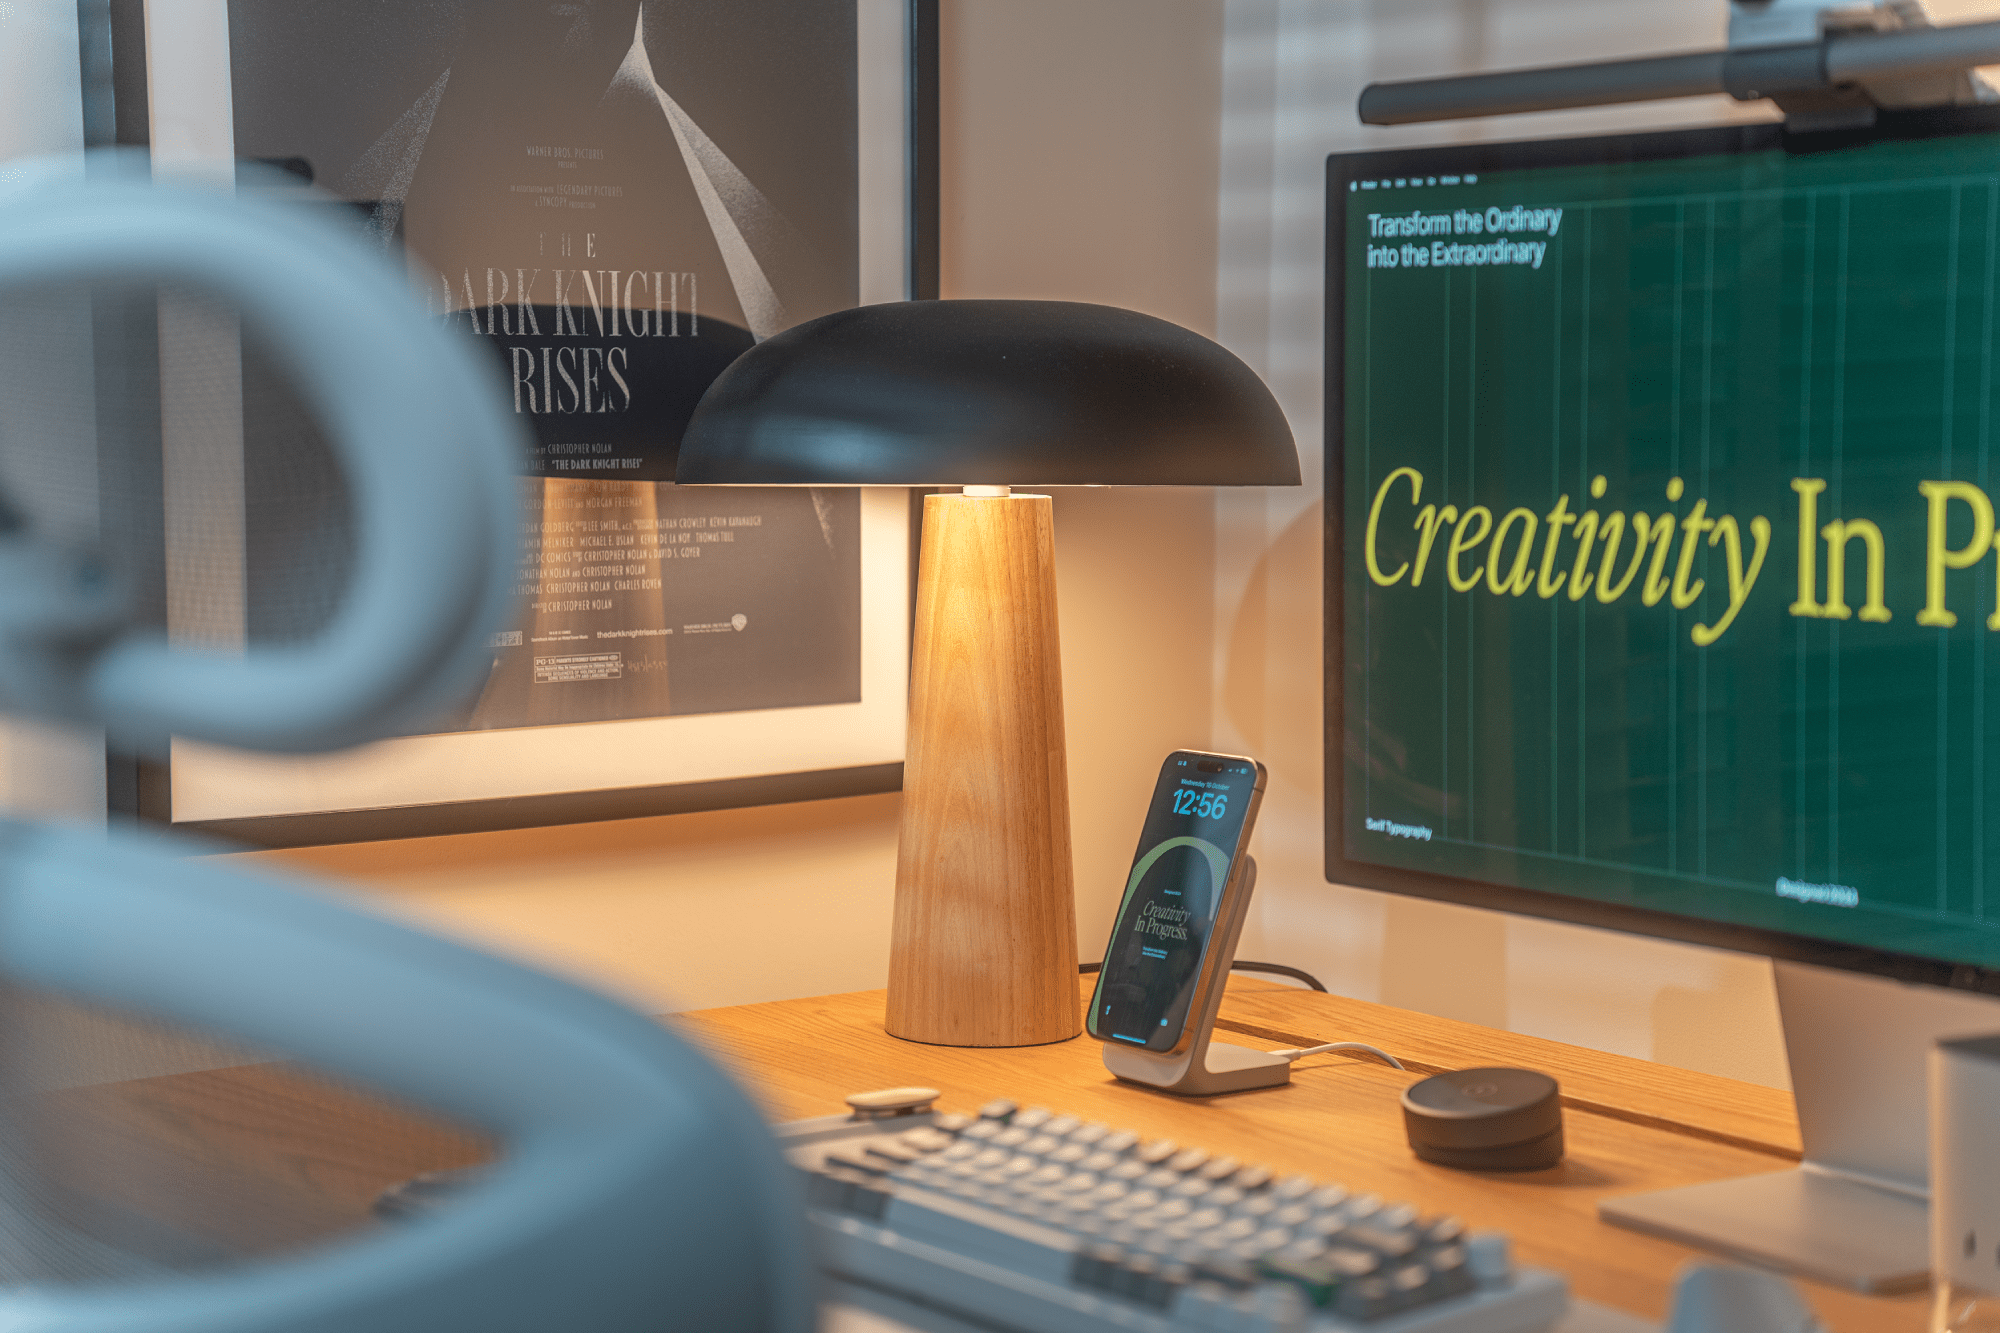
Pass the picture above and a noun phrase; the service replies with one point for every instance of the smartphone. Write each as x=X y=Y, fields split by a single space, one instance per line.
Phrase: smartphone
x=1186 y=888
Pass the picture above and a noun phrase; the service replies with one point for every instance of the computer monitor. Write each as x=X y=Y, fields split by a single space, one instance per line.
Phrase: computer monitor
x=1661 y=585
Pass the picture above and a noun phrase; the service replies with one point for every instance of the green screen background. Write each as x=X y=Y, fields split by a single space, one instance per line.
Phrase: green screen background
x=1737 y=322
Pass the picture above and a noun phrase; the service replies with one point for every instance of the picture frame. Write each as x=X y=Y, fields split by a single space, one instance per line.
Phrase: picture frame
x=526 y=776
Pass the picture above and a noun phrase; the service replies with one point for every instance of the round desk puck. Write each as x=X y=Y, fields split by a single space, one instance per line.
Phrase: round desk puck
x=1486 y=1120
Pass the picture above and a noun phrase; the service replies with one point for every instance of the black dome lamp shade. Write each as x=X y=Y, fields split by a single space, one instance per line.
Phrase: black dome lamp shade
x=1009 y=393
x=987 y=395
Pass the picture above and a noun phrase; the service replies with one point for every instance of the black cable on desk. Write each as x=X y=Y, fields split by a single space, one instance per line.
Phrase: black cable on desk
x=1244 y=965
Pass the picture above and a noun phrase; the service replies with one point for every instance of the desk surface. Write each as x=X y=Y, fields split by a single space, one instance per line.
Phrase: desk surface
x=1631 y=1125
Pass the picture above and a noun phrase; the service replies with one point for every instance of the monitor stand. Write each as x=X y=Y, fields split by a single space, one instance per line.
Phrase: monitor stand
x=1855 y=1212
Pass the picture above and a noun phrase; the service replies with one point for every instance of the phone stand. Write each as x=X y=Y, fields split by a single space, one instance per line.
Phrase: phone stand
x=1207 y=1067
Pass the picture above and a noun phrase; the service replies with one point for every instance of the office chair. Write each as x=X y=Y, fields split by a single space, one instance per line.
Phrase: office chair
x=635 y=1186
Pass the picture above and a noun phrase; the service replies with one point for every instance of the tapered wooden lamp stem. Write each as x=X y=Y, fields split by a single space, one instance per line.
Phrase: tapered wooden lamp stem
x=984 y=951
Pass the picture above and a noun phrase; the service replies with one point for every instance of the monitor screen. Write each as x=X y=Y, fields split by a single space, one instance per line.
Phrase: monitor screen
x=1661 y=536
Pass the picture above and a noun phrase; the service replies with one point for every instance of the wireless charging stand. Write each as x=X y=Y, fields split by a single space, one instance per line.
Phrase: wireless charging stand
x=1207 y=1067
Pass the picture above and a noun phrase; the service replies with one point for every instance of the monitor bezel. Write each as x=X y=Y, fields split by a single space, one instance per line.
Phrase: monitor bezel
x=1459 y=159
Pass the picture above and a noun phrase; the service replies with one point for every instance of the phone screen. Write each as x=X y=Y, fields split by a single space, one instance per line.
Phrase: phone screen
x=1193 y=834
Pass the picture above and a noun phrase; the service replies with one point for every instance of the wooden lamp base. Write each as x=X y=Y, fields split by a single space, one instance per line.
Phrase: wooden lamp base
x=984 y=951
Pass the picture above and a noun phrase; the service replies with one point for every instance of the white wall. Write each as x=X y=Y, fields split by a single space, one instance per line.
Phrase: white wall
x=1292 y=70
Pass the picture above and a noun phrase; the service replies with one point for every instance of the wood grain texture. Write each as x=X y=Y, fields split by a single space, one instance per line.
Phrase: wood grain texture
x=215 y=1166
x=1339 y=1120
x=984 y=944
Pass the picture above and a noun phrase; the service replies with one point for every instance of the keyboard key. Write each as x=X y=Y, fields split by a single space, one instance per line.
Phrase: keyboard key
x=1158 y=1179
x=925 y=1140
x=1353 y=1264
x=1187 y=1159
x=1062 y=1126
x=952 y=1122
x=1069 y=1153
x=1253 y=1178
x=1444 y=1231
x=1191 y=1187
x=1451 y=1271
x=1127 y=1170
x=1327 y=1197
x=1100 y=1162
x=860 y=1161
x=1389 y=1244
x=1369 y=1298
x=1326 y=1226
x=1277 y=1307
x=1011 y=1138
x=1089 y=1135
x=1223 y=1196
x=1159 y=1150
x=1035 y=1117
x=1219 y=1169
x=997 y=1109
x=1302 y=1251
x=1294 y=1187
x=983 y=1130
x=1123 y=1140
x=897 y=1154
x=1291 y=1215
x=1270 y=1241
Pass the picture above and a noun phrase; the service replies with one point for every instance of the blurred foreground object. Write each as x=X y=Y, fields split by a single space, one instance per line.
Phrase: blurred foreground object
x=636 y=1187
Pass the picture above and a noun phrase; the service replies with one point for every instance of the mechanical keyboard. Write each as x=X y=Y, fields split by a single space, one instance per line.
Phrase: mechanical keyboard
x=1023 y=1219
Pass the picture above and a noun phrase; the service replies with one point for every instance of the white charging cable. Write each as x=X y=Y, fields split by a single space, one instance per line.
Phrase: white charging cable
x=1302 y=1052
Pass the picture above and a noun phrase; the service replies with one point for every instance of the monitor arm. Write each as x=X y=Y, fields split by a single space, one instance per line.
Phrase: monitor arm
x=1826 y=65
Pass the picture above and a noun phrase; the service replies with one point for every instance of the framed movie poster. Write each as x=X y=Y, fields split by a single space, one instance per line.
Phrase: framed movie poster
x=617 y=198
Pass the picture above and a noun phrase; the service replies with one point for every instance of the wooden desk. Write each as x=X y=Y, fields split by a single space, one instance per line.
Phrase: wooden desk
x=1631 y=1125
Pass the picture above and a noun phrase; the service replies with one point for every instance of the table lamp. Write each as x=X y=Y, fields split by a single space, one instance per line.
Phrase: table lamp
x=987 y=395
